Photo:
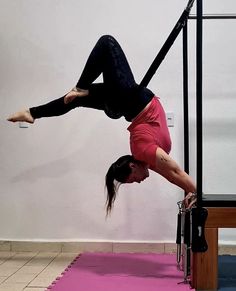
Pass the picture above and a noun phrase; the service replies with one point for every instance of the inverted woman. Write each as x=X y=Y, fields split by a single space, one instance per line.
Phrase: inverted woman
x=119 y=95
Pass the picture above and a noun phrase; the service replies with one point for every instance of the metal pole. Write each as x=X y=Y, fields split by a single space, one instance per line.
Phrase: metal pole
x=199 y=102
x=185 y=98
x=214 y=16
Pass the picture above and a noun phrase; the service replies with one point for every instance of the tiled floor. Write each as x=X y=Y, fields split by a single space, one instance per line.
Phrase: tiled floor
x=31 y=271
x=35 y=271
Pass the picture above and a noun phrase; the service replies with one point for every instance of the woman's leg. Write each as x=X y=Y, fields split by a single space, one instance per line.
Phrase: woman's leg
x=53 y=108
x=107 y=58
x=58 y=107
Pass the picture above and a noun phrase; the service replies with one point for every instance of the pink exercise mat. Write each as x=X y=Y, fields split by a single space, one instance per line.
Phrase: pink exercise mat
x=116 y=272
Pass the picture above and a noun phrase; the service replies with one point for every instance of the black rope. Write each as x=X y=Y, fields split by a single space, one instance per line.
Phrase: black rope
x=167 y=45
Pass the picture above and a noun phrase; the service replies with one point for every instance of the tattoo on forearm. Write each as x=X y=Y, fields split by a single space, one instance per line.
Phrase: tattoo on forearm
x=163 y=159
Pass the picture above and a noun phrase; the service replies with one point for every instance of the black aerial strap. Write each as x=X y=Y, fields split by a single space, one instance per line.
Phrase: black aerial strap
x=167 y=45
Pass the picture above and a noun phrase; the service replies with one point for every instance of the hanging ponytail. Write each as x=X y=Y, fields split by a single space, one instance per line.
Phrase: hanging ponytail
x=116 y=175
x=111 y=186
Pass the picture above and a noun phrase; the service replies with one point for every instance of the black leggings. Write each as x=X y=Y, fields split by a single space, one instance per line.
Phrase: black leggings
x=118 y=95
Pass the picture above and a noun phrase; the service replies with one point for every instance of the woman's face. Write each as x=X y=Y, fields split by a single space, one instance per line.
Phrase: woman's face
x=139 y=172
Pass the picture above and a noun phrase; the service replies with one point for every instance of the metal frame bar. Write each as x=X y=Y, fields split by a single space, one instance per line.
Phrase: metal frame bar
x=214 y=16
x=209 y=200
x=185 y=98
x=199 y=102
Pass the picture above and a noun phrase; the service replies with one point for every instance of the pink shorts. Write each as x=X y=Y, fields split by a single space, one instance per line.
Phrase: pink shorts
x=148 y=131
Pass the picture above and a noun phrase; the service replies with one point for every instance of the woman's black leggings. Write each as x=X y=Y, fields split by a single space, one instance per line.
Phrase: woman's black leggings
x=118 y=94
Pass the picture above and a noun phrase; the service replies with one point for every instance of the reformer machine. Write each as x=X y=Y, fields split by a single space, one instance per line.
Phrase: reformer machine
x=197 y=228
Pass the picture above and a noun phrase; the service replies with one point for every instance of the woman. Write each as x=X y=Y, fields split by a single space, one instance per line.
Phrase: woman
x=117 y=96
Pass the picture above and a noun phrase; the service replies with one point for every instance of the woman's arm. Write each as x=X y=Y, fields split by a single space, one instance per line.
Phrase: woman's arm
x=168 y=168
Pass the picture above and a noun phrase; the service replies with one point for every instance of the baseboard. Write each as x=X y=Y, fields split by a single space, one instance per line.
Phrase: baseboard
x=78 y=247
x=116 y=247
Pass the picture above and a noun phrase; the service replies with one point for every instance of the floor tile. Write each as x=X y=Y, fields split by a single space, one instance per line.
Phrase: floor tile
x=3 y=278
x=42 y=259
x=8 y=271
x=4 y=256
x=34 y=289
x=20 y=278
x=12 y=287
x=14 y=263
x=53 y=270
x=31 y=271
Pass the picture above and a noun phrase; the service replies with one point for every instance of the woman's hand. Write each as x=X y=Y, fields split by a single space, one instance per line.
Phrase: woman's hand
x=189 y=200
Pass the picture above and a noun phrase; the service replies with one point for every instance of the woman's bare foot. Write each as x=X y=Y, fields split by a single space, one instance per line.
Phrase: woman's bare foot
x=23 y=115
x=74 y=93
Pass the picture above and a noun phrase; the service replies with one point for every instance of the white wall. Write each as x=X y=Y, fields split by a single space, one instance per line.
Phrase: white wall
x=52 y=173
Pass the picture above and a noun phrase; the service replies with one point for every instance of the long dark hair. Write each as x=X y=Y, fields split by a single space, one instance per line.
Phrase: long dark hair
x=116 y=175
